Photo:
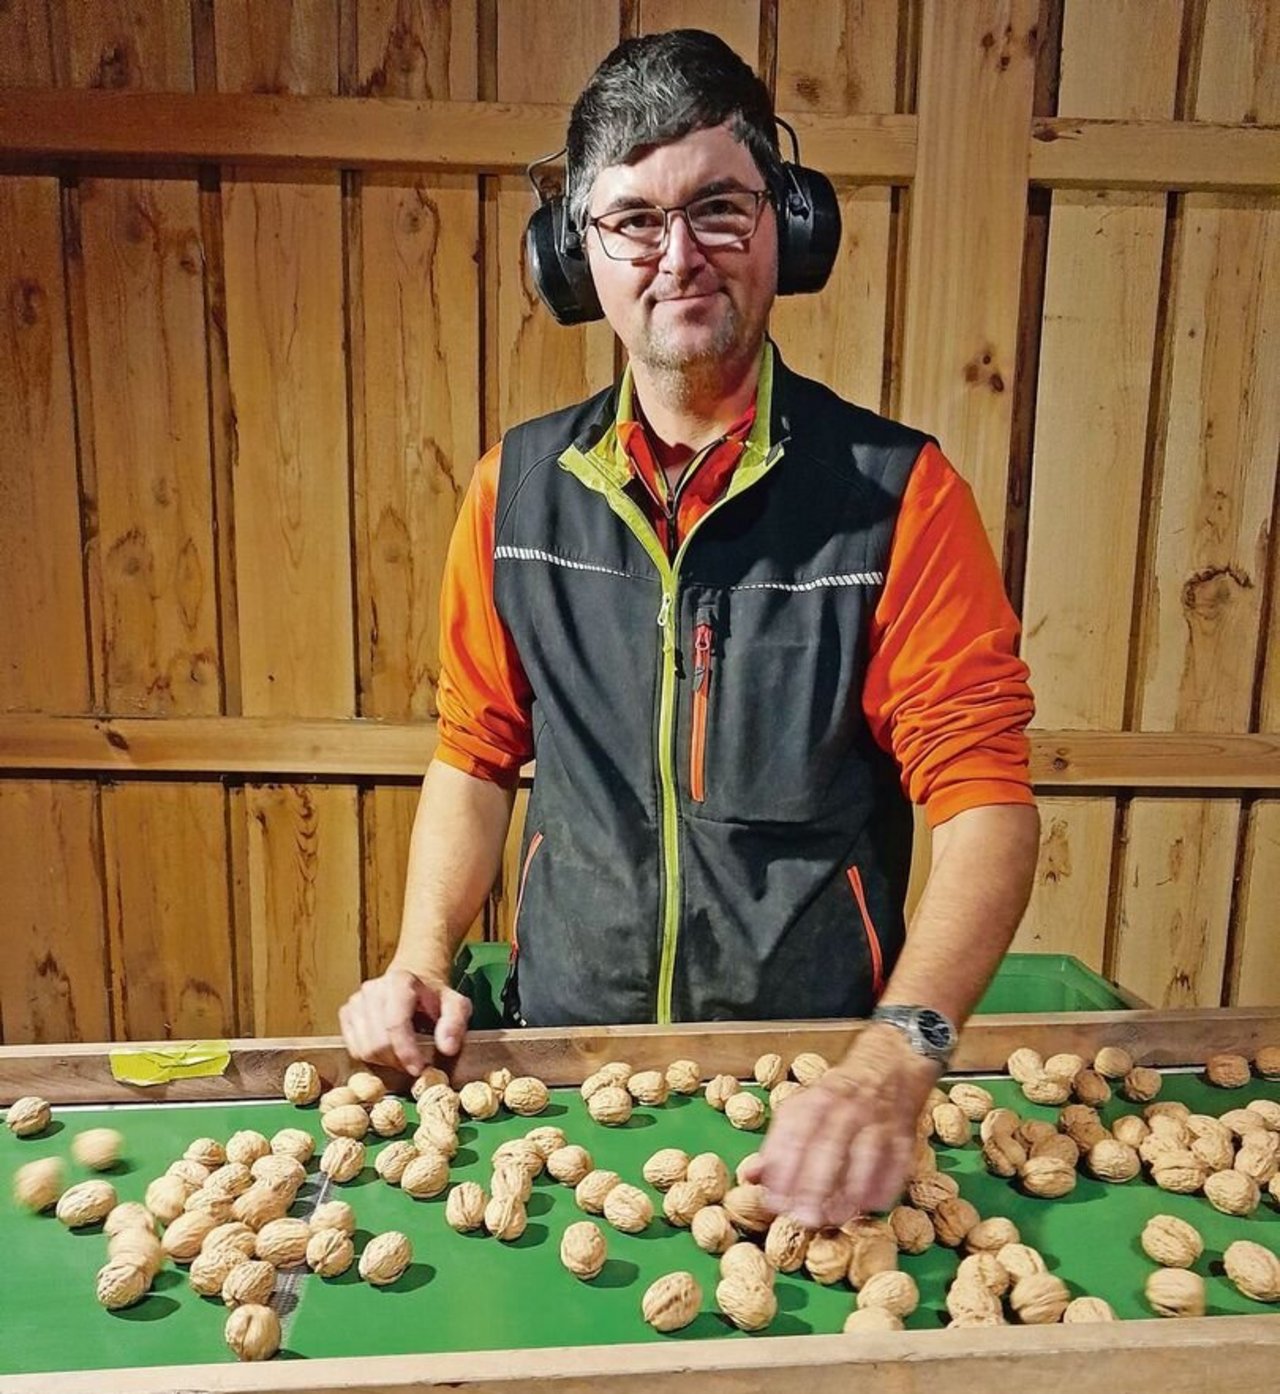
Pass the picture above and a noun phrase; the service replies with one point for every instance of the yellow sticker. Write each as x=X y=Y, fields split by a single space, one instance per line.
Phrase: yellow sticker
x=163 y=1064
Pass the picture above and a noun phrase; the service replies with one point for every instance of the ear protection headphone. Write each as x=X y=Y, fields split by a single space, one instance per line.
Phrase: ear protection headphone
x=808 y=240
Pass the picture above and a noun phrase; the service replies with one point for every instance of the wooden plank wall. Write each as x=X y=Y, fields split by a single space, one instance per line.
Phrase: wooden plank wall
x=240 y=405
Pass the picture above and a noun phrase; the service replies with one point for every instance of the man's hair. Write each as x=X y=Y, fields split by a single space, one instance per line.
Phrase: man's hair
x=656 y=89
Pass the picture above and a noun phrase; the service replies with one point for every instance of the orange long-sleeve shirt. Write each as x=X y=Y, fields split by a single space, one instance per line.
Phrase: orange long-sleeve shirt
x=945 y=692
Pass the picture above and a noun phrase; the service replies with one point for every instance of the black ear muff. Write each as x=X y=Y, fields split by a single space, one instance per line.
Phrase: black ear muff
x=808 y=229
x=558 y=262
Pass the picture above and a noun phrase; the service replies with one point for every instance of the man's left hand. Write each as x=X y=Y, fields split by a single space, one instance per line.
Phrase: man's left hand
x=846 y=1144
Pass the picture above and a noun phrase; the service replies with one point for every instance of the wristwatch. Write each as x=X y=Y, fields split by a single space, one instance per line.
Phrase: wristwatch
x=928 y=1033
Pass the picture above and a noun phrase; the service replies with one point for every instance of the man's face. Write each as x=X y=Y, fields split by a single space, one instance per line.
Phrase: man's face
x=686 y=307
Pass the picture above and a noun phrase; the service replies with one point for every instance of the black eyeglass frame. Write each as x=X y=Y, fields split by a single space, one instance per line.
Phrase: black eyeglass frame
x=761 y=196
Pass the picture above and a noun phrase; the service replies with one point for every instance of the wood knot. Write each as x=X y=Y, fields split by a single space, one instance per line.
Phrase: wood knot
x=1209 y=591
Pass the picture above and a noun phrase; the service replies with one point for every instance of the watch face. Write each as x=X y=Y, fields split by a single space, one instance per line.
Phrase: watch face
x=935 y=1029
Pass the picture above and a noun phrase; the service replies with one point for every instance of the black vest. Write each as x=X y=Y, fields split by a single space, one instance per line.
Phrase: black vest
x=712 y=833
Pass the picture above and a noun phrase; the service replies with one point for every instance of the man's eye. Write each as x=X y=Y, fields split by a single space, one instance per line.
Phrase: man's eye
x=715 y=208
x=638 y=220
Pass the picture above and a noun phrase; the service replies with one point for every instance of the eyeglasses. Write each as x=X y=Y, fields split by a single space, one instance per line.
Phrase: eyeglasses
x=715 y=220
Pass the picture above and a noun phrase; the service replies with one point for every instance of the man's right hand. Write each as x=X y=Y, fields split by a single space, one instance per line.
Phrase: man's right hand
x=377 y=1019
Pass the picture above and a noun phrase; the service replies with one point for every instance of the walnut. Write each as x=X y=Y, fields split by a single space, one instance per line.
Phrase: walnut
x=207 y=1151
x=627 y=1208
x=1227 y=1071
x=952 y=1125
x=616 y=1072
x=928 y=1192
x=745 y=1206
x=895 y=1292
x=1179 y=1171
x=235 y=1178
x=192 y=1174
x=385 y=1258
x=260 y=1204
x=912 y=1229
x=748 y=1163
x=1047 y=1089
x=211 y=1203
x=329 y=1252
x=37 y=1185
x=744 y=1111
x=166 y=1196
x=1215 y=1151
x=808 y=1067
x=872 y=1253
x=1034 y=1130
x=1130 y=1129
x=1174 y=1292
x=712 y=1230
x=769 y=1071
x=973 y=1100
x=387 y=1117
x=443 y=1101
x=780 y=1093
x=478 y=1100
x=683 y=1077
x=1020 y=1259
x=648 y=1087
x=129 y=1214
x=249 y=1283
x=183 y=1238
x=708 y=1171
x=1039 y=1299
x=682 y=1202
x=234 y=1235
x=1154 y=1146
x=497 y=1080
x=464 y=1210
x=1232 y=1192
x=347 y=1120
x=1065 y=1066
x=1091 y=1088
x=1110 y=1160
x=28 y=1116
x=121 y=1284
x=569 y=1164
x=999 y=1120
x=367 y=1087
x=610 y=1105
x=1267 y=1062
x=1254 y=1270
x=1025 y=1064
x=749 y=1305
x=1255 y=1160
x=1113 y=1062
x=746 y=1260
x=871 y=1319
x=210 y=1267
x=1268 y=1110
x=1141 y=1085
x=545 y=1140
x=1004 y=1155
x=137 y=1246
x=97 y=1148
x=1166 y=1108
x=505 y=1219
x=523 y=1153
x=666 y=1167
x=333 y=1214
x=1060 y=1147
x=1175 y=1129
x=246 y=1146
x=828 y=1255
x=86 y=1203
x=343 y=1159
x=283 y=1242
x=1080 y=1122
x=591 y=1191
x=429 y=1077
x=510 y=1179
x=971 y=1303
x=990 y=1236
x=390 y=1163
x=1082 y=1309
x=437 y=1132
x=583 y=1249
x=787 y=1243
x=301 y=1083
x=671 y=1302
x=1242 y=1121
x=986 y=1270
x=720 y=1089
x=953 y=1219
x=526 y=1096
x=1048 y=1177
x=425 y=1176
x=253 y=1332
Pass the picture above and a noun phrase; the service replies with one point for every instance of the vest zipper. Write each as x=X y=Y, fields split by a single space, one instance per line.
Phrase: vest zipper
x=534 y=843
x=702 y=661
x=873 y=939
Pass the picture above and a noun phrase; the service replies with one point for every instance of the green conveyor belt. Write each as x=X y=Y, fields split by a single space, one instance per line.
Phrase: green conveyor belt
x=470 y=1292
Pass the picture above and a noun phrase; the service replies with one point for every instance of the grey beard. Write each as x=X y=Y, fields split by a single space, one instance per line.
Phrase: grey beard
x=688 y=375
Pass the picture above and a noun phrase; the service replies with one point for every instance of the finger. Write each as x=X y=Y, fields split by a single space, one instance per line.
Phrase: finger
x=451 y=1028
x=783 y=1152
x=825 y=1165
x=404 y=1044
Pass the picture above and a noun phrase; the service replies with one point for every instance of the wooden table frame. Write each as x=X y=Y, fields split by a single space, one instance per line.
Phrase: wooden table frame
x=1173 y=1357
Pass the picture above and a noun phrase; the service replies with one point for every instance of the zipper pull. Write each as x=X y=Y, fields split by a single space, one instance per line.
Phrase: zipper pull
x=701 y=655
x=664 y=611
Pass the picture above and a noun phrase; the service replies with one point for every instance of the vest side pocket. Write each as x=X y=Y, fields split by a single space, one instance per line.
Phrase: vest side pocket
x=511 y=987
x=873 y=939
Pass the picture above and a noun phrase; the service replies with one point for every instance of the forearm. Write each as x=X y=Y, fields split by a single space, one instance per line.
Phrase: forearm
x=980 y=878
x=454 y=854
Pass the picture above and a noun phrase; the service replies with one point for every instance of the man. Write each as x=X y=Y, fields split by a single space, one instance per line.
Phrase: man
x=734 y=618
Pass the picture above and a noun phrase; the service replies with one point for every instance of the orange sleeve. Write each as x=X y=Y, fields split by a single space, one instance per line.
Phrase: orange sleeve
x=483 y=698
x=946 y=693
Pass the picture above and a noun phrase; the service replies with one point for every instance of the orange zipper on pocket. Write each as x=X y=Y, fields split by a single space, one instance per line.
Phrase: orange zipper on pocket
x=873 y=939
x=534 y=843
x=698 y=731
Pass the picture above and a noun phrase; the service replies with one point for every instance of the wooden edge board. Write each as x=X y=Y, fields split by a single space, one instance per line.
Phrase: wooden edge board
x=364 y=748
x=81 y=1074
x=1174 y=1356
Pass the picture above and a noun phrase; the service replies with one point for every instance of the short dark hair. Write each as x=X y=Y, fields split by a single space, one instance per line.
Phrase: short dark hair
x=656 y=89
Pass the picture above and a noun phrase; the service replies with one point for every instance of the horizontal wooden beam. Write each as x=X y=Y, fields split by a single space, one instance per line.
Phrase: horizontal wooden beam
x=391 y=133
x=249 y=747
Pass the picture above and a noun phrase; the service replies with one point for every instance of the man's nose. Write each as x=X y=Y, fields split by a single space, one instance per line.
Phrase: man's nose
x=681 y=255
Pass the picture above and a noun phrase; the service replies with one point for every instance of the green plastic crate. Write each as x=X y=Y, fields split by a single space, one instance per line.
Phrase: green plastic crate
x=1023 y=983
